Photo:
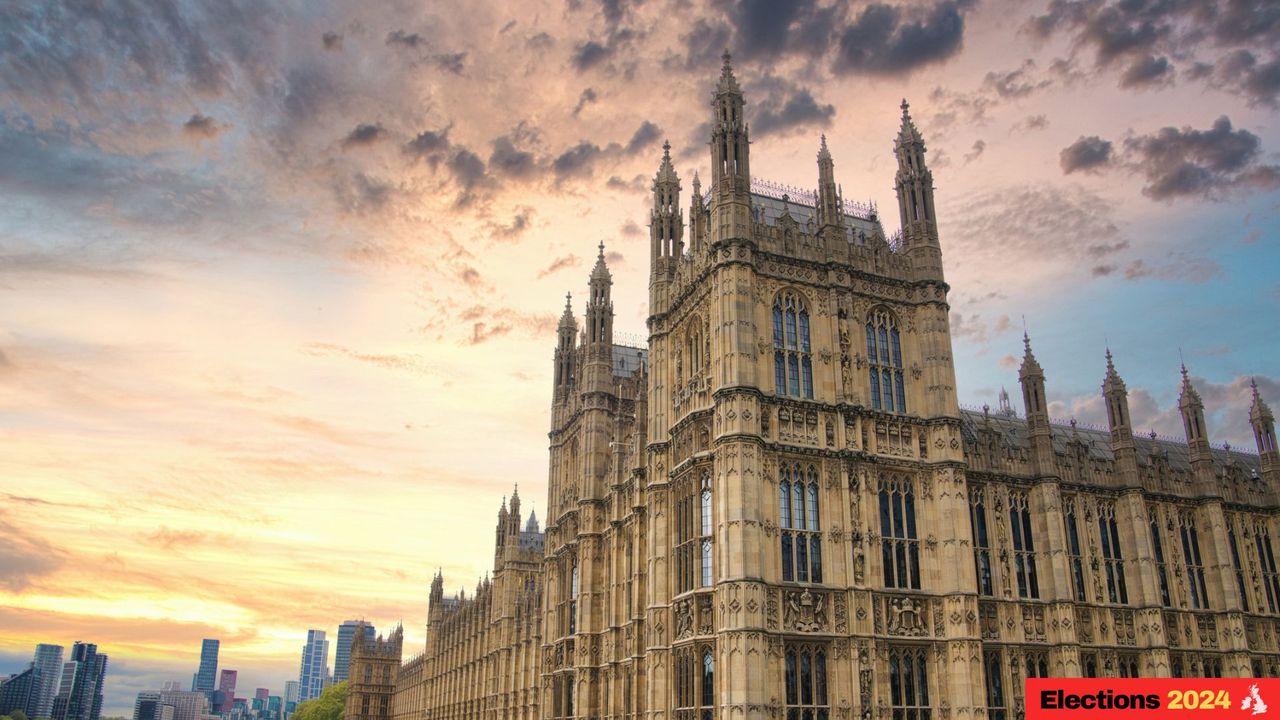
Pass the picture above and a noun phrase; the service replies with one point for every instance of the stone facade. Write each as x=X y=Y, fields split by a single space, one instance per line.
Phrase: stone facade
x=372 y=674
x=778 y=509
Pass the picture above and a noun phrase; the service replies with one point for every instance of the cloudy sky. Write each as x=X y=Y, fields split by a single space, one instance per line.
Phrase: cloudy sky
x=278 y=281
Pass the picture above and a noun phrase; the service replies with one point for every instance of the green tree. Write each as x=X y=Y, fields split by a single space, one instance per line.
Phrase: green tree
x=15 y=715
x=329 y=706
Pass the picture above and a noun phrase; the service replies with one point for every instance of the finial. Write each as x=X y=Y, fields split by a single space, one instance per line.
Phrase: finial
x=1026 y=339
x=905 y=107
x=601 y=255
x=726 y=57
x=666 y=149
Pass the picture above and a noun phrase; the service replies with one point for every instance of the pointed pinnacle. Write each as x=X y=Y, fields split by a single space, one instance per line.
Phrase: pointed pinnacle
x=601 y=255
x=666 y=149
x=905 y=106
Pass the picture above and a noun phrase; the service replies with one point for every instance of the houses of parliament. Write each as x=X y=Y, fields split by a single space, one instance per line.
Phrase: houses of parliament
x=777 y=510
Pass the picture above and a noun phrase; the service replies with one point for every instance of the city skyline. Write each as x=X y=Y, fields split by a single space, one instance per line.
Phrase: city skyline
x=333 y=264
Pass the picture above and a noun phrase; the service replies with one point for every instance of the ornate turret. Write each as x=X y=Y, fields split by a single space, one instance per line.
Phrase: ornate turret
x=1264 y=434
x=730 y=168
x=1193 y=424
x=566 y=335
x=600 y=307
x=1031 y=376
x=666 y=220
x=1116 y=397
x=914 y=184
x=829 y=202
x=697 y=219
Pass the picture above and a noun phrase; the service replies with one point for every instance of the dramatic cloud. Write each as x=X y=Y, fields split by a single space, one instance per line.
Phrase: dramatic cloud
x=1088 y=154
x=201 y=127
x=363 y=134
x=589 y=54
x=1200 y=163
x=560 y=263
x=891 y=40
x=1015 y=84
x=644 y=136
x=1140 y=37
x=587 y=97
x=1146 y=72
x=783 y=107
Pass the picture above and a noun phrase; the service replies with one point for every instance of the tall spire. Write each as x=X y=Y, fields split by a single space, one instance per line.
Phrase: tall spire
x=730 y=167
x=1264 y=434
x=914 y=183
x=666 y=221
x=828 y=210
x=1031 y=377
x=566 y=336
x=600 y=305
x=1116 y=398
x=1193 y=424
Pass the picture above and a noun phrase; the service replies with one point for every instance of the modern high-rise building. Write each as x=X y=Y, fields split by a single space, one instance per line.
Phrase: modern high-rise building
x=208 y=672
x=48 y=660
x=225 y=695
x=314 y=673
x=342 y=653
x=778 y=509
x=291 y=691
x=261 y=694
x=21 y=692
x=80 y=687
x=150 y=706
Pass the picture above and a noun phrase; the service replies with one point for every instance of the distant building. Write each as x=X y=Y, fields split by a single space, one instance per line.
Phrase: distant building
x=80 y=687
x=149 y=706
x=314 y=672
x=208 y=671
x=374 y=665
x=291 y=700
x=226 y=693
x=48 y=661
x=186 y=705
x=342 y=653
x=21 y=692
x=262 y=693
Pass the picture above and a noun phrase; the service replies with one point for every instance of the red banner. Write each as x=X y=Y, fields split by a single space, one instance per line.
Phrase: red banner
x=1152 y=698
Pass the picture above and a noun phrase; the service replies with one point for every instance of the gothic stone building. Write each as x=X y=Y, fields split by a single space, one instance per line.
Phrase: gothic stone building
x=372 y=674
x=778 y=510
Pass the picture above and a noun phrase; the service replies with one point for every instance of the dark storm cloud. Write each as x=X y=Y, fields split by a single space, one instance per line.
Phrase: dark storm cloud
x=400 y=38
x=467 y=168
x=1141 y=35
x=577 y=160
x=644 y=136
x=703 y=44
x=1147 y=71
x=508 y=160
x=363 y=134
x=589 y=54
x=201 y=126
x=1206 y=163
x=782 y=107
x=766 y=29
x=587 y=97
x=1087 y=154
x=429 y=145
x=891 y=40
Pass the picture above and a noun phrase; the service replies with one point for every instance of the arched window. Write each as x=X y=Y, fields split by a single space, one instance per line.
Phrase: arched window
x=792 y=359
x=693 y=533
x=798 y=515
x=1112 y=559
x=899 y=545
x=694 y=682
x=1191 y=555
x=1024 y=549
x=805 y=682
x=909 y=683
x=981 y=541
x=884 y=363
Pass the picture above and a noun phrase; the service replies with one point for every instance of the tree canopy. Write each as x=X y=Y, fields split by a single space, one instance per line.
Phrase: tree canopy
x=329 y=706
